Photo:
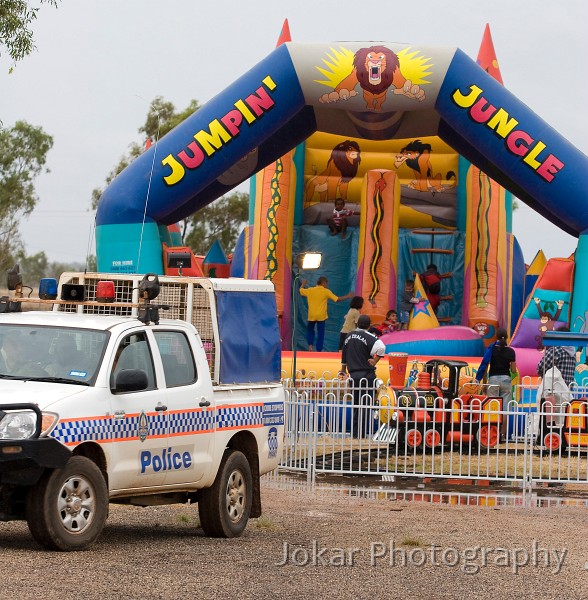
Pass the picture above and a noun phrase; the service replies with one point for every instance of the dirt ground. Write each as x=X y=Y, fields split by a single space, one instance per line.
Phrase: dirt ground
x=309 y=545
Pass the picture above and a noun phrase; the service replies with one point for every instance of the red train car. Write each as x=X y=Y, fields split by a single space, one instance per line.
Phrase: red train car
x=442 y=410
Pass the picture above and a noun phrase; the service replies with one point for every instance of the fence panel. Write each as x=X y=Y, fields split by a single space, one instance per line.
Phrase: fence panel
x=335 y=428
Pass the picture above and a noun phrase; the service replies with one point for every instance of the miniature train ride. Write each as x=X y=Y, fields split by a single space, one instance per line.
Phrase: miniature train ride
x=443 y=408
x=563 y=427
x=563 y=418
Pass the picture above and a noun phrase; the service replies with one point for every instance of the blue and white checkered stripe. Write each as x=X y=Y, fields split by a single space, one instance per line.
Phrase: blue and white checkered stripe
x=102 y=429
x=128 y=428
x=71 y=432
x=240 y=416
x=191 y=422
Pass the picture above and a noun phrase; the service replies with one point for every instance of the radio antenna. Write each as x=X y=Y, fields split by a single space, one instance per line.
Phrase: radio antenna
x=149 y=182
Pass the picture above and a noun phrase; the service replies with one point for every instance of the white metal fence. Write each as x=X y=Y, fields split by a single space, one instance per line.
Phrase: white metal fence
x=414 y=434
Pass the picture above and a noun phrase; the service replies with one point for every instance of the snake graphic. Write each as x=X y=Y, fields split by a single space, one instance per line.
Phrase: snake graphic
x=272 y=226
x=378 y=203
x=483 y=245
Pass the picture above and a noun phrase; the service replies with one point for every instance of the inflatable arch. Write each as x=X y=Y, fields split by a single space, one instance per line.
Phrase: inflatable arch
x=371 y=91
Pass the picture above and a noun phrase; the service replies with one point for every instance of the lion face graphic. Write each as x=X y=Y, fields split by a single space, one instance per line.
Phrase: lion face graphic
x=375 y=68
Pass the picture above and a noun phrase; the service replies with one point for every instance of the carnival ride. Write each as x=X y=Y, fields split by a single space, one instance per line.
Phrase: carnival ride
x=563 y=415
x=443 y=408
x=425 y=144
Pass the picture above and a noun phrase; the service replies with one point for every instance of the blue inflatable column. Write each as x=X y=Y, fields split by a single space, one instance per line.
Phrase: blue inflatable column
x=579 y=310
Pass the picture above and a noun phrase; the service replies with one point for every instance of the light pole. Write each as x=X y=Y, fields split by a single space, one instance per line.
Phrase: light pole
x=306 y=261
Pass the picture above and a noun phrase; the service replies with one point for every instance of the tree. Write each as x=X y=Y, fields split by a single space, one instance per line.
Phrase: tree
x=16 y=18
x=34 y=267
x=223 y=220
x=23 y=154
x=161 y=118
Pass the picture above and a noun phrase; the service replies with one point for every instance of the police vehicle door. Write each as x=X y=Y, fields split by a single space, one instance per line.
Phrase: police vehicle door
x=188 y=396
x=139 y=430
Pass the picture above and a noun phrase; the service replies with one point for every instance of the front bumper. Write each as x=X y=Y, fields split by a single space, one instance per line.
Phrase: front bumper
x=22 y=462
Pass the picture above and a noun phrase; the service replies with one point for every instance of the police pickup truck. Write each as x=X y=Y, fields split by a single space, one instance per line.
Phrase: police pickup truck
x=136 y=409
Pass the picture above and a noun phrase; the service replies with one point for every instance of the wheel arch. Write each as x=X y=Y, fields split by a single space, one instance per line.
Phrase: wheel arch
x=245 y=442
x=96 y=454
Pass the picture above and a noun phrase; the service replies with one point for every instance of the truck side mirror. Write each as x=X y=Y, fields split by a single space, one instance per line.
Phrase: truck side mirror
x=130 y=380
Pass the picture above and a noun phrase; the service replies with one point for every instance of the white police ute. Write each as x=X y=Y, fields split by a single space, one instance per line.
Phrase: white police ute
x=138 y=409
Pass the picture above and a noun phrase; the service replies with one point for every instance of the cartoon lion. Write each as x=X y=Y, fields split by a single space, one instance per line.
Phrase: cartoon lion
x=375 y=69
x=341 y=169
x=417 y=156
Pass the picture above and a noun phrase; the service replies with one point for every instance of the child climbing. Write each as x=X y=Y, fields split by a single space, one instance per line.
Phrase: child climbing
x=407 y=301
x=431 y=280
x=337 y=222
x=351 y=319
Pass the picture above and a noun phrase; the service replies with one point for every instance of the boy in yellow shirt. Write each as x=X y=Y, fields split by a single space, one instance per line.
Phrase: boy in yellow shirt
x=318 y=297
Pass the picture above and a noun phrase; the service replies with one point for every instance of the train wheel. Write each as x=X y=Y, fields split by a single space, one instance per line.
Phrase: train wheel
x=552 y=441
x=432 y=438
x=414 y=439
x=488 y=436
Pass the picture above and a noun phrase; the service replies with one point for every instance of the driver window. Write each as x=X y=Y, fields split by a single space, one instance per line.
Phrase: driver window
x=176 y=357
x=134 y=353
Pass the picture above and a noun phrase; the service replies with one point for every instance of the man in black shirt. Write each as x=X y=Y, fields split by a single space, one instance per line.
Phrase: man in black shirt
x=361 y=352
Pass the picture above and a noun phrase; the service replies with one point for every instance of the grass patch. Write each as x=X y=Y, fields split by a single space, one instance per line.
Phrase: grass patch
x=185 y=519
x=492 y=465
x=265 y=523
x=504 y=462
x=411 y=542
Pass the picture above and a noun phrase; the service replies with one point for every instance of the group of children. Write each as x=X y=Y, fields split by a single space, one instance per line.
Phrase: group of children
x=395 y=320
x=319 y=295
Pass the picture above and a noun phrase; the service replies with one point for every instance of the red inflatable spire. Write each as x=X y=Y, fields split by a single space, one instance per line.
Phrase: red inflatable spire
x=284 y=34
x=487 y=56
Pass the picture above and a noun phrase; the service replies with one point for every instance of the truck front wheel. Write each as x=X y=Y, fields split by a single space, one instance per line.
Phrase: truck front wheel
x=68 y=507
x=224 y=508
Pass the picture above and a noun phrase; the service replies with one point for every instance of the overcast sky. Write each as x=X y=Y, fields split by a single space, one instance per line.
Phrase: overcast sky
x=99 y=63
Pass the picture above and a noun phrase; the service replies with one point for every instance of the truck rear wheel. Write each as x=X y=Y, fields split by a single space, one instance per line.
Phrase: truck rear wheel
x=67 y=509
x=224 y=508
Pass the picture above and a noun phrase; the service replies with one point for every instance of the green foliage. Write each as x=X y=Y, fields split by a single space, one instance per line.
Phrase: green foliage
x=264 y=522
x=36 y=266
x=33 y=267
x=7 y=249
x=23 y=155
x=412 y=542
x=16 y=19
x=92 y=265
x=223 y=220
x=161 y=119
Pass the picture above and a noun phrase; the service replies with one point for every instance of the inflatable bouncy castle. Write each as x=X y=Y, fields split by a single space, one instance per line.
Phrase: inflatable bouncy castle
x=424 y=146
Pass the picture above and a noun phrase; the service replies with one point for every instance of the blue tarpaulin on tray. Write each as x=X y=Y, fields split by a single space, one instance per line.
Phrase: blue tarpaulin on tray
x=249 y=337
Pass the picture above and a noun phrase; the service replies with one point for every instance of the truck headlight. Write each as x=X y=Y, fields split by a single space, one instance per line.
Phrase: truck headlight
x=18 y=425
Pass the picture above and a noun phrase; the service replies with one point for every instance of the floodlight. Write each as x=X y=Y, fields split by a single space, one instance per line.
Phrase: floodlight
x=309 y=261
x=179 y=260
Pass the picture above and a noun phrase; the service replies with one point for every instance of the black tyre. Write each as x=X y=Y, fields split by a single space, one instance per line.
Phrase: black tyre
x=68 y=507
x=224 y=508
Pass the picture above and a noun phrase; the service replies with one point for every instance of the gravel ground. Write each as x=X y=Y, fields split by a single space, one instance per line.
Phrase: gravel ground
x=160 y=552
